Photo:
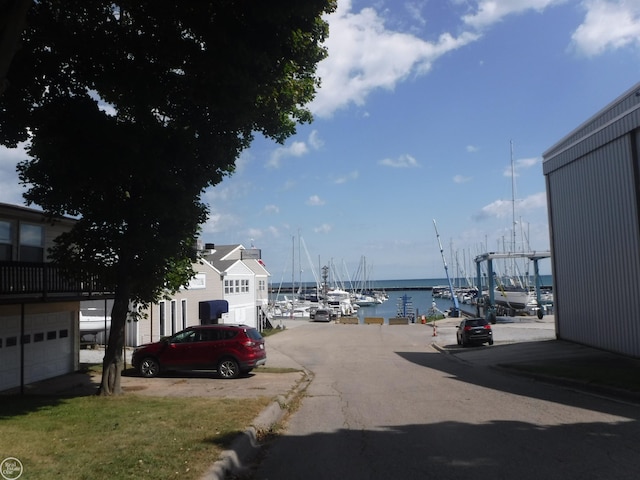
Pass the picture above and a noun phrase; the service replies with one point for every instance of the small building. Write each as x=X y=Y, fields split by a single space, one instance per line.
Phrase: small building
x=593 y=191
x=43 y=315
x=230 y=286
x=39 y=308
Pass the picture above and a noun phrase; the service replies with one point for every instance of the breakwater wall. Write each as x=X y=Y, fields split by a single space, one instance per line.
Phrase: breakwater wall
x=386 y=289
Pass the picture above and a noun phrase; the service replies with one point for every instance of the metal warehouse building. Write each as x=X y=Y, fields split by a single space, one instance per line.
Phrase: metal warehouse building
x=593 y=192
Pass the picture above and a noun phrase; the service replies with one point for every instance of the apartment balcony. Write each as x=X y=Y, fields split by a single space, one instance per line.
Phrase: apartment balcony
x=23 y=282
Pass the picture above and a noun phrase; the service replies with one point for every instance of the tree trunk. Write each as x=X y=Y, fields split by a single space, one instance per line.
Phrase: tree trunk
x=112 y=364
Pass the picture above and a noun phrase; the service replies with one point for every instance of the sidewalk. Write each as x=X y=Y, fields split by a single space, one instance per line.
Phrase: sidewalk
x=560 y=362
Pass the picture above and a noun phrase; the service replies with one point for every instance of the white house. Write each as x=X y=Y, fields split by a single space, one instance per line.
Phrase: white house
x=230 y=287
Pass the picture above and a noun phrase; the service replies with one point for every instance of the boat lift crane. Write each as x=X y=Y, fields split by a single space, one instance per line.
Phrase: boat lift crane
x=490 y=306
x=455 y=311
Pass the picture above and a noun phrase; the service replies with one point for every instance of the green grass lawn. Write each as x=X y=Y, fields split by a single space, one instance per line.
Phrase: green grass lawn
x=126 y=436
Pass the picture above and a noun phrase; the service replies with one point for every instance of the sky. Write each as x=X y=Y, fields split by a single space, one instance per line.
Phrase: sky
x=429 y=110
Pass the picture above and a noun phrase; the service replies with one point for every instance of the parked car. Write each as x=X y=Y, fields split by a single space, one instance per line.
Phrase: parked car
x=474 y=331
x=231 y=350
x=322 y=315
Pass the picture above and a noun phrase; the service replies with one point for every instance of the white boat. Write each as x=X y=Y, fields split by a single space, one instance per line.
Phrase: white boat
x=364 y=300
x=94 y=324
x=93 y=317
x=513 y=296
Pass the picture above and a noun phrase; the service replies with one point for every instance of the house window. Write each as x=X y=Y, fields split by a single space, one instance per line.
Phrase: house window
x=236 y=286
x=6 y=245
x=173 y=316
x=183 y=310
x=262 y=285
x=31 y=243
x=163 y=320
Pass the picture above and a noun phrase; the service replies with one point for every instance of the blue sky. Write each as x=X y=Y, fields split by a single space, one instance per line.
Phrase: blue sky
x=419 y=106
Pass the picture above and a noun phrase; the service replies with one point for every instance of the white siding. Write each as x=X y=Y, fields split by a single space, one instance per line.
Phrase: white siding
x=593 y=195
x=49 y=348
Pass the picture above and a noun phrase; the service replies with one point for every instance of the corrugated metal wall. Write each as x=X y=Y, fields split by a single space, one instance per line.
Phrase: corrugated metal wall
x=592 y=189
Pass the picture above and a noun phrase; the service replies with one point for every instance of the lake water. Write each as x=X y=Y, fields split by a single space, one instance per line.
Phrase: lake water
x=421 y=300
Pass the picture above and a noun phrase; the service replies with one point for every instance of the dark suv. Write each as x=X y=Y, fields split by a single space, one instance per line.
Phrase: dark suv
x=474 y=330
x=231 y=350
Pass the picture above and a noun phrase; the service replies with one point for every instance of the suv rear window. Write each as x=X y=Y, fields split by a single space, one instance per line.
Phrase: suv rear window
x=476 y=322
x=253 y=334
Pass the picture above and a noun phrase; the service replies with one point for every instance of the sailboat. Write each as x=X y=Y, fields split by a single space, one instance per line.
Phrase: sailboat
x=510 y=292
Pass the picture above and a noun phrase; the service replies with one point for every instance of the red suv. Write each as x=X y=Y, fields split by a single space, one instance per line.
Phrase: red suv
x=230 y=349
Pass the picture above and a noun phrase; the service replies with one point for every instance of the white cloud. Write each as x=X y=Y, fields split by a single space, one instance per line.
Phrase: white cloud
x=220 y=222
x=533 y=202
x=404 y=161
x=608 y=24
x=225 y=192
x=504 y=208
x=520 y=165
x=324 y=228
x=271 y=209
x=315 y=141
x=315 y=201
x=461 y=179
x=472 y=148
x=347 y=177
x=254 y=233
x=10 y=189
x=364 y=56
x=489 y=12
x=295 y=149
x=415 y=11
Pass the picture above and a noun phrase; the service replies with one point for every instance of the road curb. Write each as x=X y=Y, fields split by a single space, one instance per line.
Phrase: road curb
x=246 y=446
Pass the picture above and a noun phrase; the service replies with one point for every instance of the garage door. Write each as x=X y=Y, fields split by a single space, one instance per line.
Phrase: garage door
x=48 y=348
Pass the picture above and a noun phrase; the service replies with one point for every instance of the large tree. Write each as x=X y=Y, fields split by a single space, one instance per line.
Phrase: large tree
x=132 y=109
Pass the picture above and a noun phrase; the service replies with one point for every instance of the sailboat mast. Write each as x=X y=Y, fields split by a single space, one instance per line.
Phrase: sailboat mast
x=513 y=198
x=293 y=264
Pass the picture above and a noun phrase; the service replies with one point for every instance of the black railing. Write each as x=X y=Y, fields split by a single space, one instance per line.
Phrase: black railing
x=44 y=280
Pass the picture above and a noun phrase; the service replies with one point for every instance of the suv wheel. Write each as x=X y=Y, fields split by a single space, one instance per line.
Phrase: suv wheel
x=228 y=368
x=149 y=367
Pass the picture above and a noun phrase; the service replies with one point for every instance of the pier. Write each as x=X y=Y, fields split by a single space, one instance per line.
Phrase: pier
x=288 y=289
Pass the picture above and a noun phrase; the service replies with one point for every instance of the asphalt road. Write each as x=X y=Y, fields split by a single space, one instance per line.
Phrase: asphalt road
x=385 y=404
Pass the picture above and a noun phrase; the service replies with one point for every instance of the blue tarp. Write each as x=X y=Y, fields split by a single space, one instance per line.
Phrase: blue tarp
x=211 y=311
